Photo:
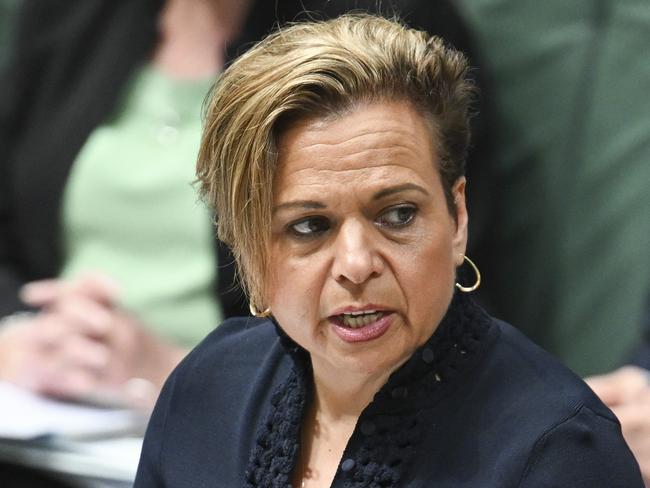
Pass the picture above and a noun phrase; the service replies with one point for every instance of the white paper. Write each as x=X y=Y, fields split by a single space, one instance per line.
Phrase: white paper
x=24 y=416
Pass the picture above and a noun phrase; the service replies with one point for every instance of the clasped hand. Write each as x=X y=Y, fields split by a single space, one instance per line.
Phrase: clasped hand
x=83 y=346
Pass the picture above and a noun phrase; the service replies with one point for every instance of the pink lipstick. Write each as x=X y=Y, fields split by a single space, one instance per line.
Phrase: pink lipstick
x=361 y=325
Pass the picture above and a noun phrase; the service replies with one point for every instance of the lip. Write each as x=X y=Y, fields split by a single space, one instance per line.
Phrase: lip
x=371 y=307
x=366 y=333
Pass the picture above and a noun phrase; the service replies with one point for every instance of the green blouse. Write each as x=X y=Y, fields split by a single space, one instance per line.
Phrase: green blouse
x=131 y=212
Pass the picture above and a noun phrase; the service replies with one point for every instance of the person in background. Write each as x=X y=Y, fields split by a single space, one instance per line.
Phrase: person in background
x=100 y=231
x=334 y=155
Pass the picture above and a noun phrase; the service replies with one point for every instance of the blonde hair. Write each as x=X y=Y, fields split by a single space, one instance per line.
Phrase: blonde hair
x=318 y=69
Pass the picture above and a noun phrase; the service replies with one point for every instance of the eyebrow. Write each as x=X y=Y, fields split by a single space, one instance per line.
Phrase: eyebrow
x=398 y=189
x=315 y=205
x=302 y=204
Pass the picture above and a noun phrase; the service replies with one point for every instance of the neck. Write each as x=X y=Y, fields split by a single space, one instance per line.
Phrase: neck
x=327 y=426
x=339 y=399
x=342 y=396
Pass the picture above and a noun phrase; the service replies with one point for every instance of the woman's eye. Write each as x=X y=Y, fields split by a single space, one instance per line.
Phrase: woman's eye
x=397 y=216
x=309 y=227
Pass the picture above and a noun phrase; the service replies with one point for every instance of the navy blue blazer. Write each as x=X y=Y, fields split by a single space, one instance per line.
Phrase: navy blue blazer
x=478 y=405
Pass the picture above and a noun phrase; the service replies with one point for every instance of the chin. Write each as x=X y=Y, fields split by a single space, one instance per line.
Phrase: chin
x=371 y=362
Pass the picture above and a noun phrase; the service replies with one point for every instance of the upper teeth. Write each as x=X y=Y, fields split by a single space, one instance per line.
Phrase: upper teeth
x=356 y=314
x=359 y=319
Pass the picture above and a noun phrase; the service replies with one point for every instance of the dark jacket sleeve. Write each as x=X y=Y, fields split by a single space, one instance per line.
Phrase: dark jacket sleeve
x=149 y=469
x=585 y=450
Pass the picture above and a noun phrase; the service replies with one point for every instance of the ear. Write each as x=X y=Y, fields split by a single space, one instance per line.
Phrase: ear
x=459 y=240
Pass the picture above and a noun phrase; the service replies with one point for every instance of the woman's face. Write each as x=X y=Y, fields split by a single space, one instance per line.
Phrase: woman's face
x=363 y=247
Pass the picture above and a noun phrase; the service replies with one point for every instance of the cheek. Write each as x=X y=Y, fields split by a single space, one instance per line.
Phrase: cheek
x=431 y=272
x=432 y=252
x=294 y=291
x=428 y=278
x=286 y=302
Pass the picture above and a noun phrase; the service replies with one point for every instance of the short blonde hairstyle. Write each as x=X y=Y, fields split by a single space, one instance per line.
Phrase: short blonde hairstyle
x=318 y=69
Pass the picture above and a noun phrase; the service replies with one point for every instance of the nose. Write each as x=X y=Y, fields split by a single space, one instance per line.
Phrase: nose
x=356 y=258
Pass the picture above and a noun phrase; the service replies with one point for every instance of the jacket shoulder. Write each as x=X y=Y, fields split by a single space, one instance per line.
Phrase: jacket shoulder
x=572 y=438
x=544 y=379
x=236 y=342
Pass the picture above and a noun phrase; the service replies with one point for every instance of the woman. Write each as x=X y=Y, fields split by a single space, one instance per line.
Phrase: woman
x=84 y=198
x=333 y=153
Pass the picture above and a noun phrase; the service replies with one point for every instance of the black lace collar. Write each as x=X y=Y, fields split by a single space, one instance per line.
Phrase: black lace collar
x=390 y=422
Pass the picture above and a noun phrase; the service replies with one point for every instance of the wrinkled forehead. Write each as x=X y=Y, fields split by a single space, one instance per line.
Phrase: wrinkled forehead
x=382 y=128
x=374 y=140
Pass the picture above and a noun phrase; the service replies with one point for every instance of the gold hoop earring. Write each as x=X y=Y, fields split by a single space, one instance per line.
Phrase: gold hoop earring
x=262 y=314
x=467 y=289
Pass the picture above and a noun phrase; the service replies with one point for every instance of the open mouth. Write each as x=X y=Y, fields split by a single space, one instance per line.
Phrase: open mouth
x=362 y=326
x=355 y=320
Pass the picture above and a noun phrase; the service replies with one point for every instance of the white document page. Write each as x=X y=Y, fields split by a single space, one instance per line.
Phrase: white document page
x=24 y=416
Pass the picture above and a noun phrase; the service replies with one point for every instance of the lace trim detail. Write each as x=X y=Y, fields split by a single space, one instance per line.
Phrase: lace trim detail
x=277 y=440
x=390 y=433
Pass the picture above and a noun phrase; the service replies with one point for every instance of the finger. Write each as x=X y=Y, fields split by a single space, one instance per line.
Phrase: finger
x=634 y=417
x=51 y=330
x=85 y=315
x=608 y=391
x=41 y=293
x=84 y=353
x=620 y=386
x=99 y=287
x=93 y=285
x=19 y=352
x=58 y=374
x=68 y=384
x=638 y=380
x=55 y=333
